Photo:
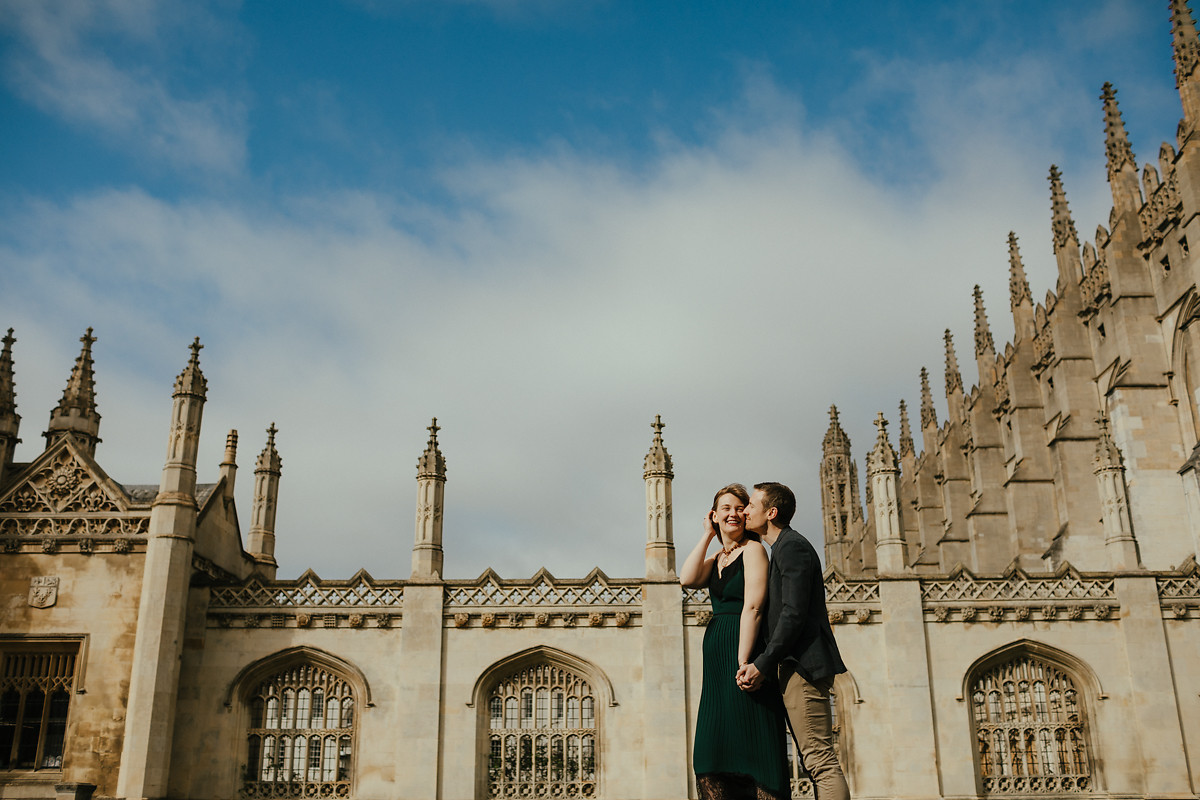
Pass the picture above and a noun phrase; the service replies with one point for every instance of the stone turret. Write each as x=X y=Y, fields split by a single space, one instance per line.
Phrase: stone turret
x=154 y=682
x=76 y=414
x=1109 y=467
x=883 y=471
x=839 y=494
x=657 y=472
x=427 y=554
x=261 y=539
x=1122 y=167
x=229 y=464
x=10 y=420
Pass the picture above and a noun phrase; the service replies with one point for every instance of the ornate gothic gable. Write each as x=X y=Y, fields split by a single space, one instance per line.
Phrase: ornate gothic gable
x=65 y=493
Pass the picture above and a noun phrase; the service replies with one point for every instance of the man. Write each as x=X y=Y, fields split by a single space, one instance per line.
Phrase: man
x=800 y=645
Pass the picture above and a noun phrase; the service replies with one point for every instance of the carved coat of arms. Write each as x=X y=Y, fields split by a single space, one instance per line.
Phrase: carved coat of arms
x=43 y=591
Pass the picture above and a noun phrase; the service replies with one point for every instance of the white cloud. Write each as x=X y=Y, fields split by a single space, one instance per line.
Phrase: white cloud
x=65 y=63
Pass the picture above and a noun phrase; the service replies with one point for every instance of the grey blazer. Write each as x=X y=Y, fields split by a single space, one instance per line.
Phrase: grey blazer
x=798 y=628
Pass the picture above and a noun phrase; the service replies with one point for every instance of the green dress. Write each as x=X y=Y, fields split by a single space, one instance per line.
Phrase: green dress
x=740 y=747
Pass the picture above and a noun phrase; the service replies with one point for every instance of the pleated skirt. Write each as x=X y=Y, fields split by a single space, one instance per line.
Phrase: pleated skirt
x=737 y=732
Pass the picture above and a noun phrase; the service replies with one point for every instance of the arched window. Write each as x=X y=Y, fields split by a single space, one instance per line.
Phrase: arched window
x=301 y=738
x=1030 y=727
x=542 y=734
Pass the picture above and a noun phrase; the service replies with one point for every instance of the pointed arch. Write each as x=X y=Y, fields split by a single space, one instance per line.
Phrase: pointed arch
x=258 y=671
x=541 y=654
x=1030 y=709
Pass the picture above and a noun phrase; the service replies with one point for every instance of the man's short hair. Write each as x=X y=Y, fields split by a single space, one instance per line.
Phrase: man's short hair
x=780 y=498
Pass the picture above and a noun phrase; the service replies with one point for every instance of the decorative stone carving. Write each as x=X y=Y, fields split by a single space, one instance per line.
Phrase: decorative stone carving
x=1075 y=612
x=1180 y=610
x=49 y=546
x=623 y=618
x=541 y=619
x=356 y=620
x=383 y=620
x=862 y=615
x=1023 y=613
x=516 y=620
x=569 y=620
x=461 y=619
x=278 y=621
x=1101 y=611
x=303 y=620
x=996 y=613
x=11 y=545
x=87 y=546
x=223 y=620
x=1049 y=612
x=836 y=615
x=331 y=621
x=703 y=617
x=595 y=619
x=122 y=546
x=250 y=620
x=43 y=591
x=941 y=613
x=968 y=614
x=487 y=620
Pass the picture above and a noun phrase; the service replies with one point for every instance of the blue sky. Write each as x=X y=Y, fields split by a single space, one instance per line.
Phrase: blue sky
x=543 y=222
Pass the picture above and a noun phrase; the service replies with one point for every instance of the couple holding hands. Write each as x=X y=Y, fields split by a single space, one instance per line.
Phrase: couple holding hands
x=769 y=653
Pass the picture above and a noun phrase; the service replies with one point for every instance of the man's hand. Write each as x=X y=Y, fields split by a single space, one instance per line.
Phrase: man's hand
x=749 y=679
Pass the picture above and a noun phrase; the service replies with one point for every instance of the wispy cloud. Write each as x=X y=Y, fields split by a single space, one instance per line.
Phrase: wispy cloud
x=66 y=61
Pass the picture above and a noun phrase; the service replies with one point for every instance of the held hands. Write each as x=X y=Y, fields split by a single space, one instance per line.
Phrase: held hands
x=749 y=679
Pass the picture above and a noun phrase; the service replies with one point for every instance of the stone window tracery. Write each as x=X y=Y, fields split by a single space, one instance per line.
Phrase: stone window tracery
x=1030 y=729
x=542 y=734
x=301 y=736
x=35 y=698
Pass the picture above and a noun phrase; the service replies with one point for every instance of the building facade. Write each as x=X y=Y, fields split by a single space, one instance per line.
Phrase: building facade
x=1019 y=602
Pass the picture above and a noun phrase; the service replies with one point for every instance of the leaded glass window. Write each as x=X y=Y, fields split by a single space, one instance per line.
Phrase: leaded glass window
x=35 y=696
x=1030 y=729
x=542 y=735
x=302 y=735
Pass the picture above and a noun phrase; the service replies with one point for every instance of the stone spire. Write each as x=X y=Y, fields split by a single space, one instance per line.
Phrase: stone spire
x=76 y=412
x=1122 y=167
x=883 y=472
x=954 y=382
x=427 y=556
x=1187 y=55
x=929 y=422
x=10 y=420
x=162 y=608
x=261 y=539
x=839 y=492
x=985 y=348
x=1019 y=297
x=1109 y=468
x=1066 y=238
x=907 y=447
x=657 y=472
x=229 y=463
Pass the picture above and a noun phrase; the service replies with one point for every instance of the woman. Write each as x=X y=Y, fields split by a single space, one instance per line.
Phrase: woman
x=740 y=746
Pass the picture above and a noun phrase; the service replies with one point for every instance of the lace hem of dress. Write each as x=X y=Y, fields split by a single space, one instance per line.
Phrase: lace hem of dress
x=727 y=786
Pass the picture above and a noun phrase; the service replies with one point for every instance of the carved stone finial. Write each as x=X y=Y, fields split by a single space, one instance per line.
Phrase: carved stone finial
x=8 y=386
x=1117 y=148
x=1062 y=226
x=432 y=464
x=907 y=447
x=268 y=459
x=658 y=461
x=928 y=412
x=1018 y=284
x=231 y=441
x=882 y=457
x=983 y=334
x=76 y=412
x=1108 y=455
x=192 y=381
x=953 y=375
x=836 y=442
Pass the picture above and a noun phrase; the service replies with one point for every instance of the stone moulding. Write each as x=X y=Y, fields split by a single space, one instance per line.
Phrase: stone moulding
x=310 y=592
x=253 y=619
x=543 y=592
x=1179 y=594
x=1067 y=585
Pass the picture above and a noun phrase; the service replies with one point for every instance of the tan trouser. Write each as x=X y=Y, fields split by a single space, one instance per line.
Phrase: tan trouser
x=812 y=727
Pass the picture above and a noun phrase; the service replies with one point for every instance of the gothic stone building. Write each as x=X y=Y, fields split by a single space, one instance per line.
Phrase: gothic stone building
x=1018 y=603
